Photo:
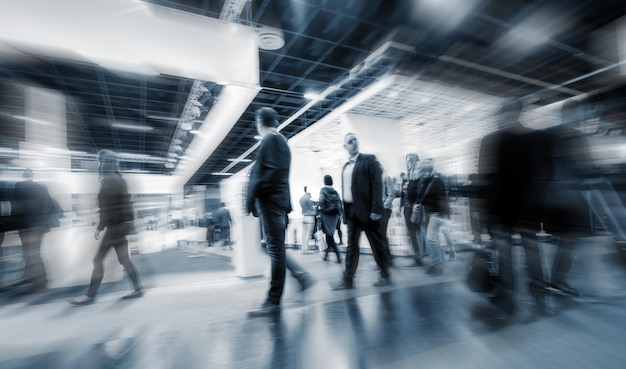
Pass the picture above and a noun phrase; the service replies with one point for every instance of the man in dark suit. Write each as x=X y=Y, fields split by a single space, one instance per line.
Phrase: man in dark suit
x=268 y=196
x=32 y=206
x=363 y=208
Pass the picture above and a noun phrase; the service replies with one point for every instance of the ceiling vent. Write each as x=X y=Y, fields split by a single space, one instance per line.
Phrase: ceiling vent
x=271 y=38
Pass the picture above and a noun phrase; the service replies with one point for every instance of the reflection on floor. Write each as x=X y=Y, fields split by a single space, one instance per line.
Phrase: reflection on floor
x=420 y=321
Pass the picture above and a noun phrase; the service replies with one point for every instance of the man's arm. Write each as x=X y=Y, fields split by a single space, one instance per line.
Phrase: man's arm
x=376 y=184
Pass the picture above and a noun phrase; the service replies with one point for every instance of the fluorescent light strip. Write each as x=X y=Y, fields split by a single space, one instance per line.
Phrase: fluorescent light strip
x=131 y=127
x=222 y=174
x=241 y=160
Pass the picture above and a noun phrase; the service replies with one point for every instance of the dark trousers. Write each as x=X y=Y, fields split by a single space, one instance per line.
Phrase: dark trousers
x=413 y=230
x=274 y=220
x=502 y=239
x=339 y=233
x=375 y=238
x=332 y=246
x=115 y=237
x=34 y=269
x=384 y=223
x=225 y=233
x=563 y=259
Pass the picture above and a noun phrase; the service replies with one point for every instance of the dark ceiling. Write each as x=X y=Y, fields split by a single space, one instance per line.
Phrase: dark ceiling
x=495 y=47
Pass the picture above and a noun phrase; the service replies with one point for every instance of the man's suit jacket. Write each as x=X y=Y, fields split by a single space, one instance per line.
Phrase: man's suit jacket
x=269 y=177
x=367 y=187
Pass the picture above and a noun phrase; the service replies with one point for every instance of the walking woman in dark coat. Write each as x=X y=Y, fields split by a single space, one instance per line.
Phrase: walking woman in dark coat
x=330 y=210
x=116 y=215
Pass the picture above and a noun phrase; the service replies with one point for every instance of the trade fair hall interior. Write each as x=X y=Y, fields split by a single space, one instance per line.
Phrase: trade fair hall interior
x=142 y=156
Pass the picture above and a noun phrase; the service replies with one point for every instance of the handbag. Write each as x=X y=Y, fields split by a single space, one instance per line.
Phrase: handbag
x=417 y=214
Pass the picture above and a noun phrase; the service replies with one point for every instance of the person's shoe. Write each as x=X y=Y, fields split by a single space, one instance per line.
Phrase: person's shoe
x=343 y=285
x=415 y=264
x=306 y=283
x=504 y=302
x=339 y=261
x=83 y=300
x=452 y=256
x=266 y=309
x=325 y=257
x=133 y=295
x=434 y=270
x=565 y=288
x=383 y=282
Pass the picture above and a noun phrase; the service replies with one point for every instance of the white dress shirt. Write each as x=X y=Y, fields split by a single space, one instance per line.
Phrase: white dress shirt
x=347 y=179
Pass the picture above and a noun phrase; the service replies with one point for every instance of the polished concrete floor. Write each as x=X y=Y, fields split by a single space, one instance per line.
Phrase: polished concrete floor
x=194 y=316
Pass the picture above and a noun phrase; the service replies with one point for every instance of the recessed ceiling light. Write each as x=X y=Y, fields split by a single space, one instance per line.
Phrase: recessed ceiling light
x=257 y=137
x=169 y=165
x=311 y=95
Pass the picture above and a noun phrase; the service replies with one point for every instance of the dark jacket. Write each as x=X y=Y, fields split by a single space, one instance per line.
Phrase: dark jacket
x=269 y=177
x=114 y=202
x=504 y=170
x=329 y=221
x=367 y=187
x=31 y=206
x=431 y=190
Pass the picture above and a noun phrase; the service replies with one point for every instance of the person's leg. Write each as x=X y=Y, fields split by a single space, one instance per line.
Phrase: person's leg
x=330 y=240
x=446 y=228
x=413 y=230
x=98 y=268
x=503 y=293
x=536 y=282
x=34 y=269
x=437 y=256
x=373 y=232
x=352 y=249
x=563 y=261
x=274 y=225
x=123 y=256
x=339 y=232
x=384 y=223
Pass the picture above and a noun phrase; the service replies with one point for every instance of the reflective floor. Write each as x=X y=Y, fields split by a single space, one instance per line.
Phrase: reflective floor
x=420 y=321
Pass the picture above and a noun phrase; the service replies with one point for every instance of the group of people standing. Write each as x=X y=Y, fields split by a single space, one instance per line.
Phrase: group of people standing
x=366 y=205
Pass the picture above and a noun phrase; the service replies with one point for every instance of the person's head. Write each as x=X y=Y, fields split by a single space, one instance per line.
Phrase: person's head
x=509 y=112
x=222 y=205
x=27 y=174
x=266 y=120
x=351 y=144
x=426 y=167
x=328 y=180
x=108 y=162
x=411 y=160
x=572 y=112
x=305 y=189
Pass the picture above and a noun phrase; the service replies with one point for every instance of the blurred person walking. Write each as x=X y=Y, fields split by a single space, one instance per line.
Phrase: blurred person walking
x=408 y=199
x=268 y=197
x=508 y=169
x=116 y=216
x=308 y=219
x=330 y=205
x=565 y=212
x=34 y=213
x=224 y=221
x=389 y=194
x=432 y=197
x=362 y=201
